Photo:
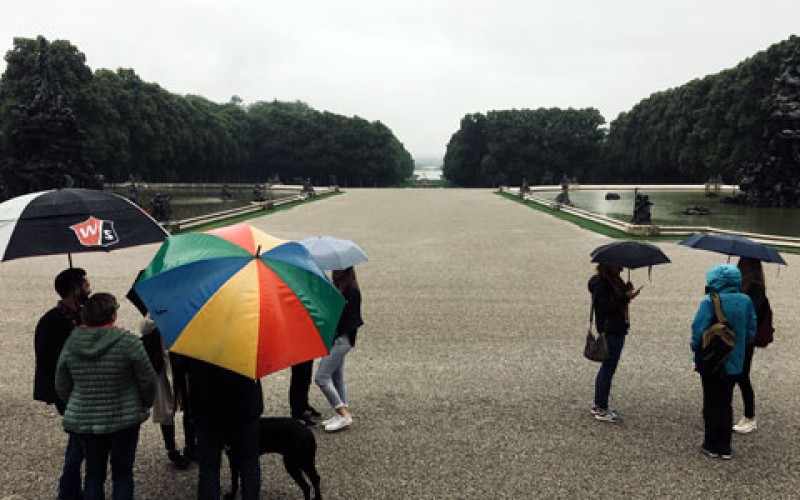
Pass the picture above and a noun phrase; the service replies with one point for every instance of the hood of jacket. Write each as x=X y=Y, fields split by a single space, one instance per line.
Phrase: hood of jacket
x=723 y=278
x=94 y=341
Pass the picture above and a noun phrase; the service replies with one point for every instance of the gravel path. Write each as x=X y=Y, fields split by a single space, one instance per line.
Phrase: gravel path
x=467 y=380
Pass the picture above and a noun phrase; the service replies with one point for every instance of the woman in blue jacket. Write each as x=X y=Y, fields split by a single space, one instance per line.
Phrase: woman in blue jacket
x=725 y=280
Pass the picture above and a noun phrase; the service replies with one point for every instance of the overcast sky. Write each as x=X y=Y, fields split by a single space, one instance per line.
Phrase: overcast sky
x=418 y=66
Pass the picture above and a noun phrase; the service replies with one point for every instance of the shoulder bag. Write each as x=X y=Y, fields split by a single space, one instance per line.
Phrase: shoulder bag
x=596 y=348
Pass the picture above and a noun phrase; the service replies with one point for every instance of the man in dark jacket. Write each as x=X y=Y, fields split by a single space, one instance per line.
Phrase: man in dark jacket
x=226 y=407
x=52 y=331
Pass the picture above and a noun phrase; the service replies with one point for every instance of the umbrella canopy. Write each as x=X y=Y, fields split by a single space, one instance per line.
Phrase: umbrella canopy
x=731 y=244
x=629 y=254
x=334 y=253
x=73 y=221
x=240 y=299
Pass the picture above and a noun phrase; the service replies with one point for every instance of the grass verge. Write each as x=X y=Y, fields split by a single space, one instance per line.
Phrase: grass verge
x=241 y=218
x=613 y=233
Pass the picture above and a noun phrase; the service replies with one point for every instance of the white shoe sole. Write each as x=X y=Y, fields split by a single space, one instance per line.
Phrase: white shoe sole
x=338 y=424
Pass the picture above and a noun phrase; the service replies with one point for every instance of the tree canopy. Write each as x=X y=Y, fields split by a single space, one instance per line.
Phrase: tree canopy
x=708 y=127
x=539 y=145
x=136 y=128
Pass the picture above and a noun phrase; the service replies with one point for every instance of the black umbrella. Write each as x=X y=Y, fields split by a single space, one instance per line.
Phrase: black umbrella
x=73 y=221
x=629 y=254
x=732 y=244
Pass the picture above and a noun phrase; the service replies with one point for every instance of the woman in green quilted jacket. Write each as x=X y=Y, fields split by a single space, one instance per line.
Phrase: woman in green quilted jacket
x=108 y=383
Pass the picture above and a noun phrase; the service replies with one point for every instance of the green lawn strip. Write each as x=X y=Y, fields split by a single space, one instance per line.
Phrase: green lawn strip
x=261 y=213
x=602 y=229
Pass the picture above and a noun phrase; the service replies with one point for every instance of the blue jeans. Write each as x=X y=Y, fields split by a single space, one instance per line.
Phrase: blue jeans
x=69 y=486
x=121 y=446
x=243 y=442
x=602 y=384
x=330 y=373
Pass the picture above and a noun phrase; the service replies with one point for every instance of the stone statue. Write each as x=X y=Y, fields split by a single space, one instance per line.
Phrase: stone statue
x=524 y=188
x=641 y=210
x=563 y=196
x=46 y=141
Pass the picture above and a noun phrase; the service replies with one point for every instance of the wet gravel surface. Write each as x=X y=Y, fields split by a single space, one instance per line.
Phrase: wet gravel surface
x=467 y=380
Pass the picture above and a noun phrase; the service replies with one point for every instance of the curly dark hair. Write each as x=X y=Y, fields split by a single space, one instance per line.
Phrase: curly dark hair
x=68 y=279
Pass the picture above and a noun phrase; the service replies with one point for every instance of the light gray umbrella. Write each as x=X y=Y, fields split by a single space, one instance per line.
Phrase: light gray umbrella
x=334 y=253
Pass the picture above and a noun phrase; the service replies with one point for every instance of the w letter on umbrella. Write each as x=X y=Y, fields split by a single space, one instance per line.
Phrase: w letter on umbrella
x=94 y=232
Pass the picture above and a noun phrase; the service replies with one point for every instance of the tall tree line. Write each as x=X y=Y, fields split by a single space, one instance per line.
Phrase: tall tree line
x=706 y=128
x=539 y=145
x=136 y=128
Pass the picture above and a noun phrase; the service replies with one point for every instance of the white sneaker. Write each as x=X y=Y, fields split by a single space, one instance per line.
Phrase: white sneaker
x=338 y=423
x=746 y=425
x=330 y=420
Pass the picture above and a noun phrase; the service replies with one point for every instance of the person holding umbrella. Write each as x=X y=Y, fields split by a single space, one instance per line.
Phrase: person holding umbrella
x=330 y=372
x=753 y=284
x=610 y=299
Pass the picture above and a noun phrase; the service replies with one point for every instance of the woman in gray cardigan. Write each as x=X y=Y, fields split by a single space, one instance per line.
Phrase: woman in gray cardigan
x=108 y=384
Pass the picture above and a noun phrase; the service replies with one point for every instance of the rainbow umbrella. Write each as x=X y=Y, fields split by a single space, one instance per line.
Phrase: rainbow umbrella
x=240 y=299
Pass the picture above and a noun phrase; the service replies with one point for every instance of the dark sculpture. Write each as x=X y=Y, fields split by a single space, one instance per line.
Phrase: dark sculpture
x=641 y=210
x=308 y=188
x=524 y=188
x=563 y=196
x=162 y=207
x=775 y=179
x=258 y=193
x=46 y=142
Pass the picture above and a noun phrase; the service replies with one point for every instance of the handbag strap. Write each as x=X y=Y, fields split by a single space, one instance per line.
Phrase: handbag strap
x=591 y=312
x=718 y=308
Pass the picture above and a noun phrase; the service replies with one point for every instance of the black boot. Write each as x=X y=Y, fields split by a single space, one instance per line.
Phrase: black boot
x=179 y=460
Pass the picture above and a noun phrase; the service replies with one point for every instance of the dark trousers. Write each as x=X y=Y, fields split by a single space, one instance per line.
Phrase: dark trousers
x=718 y=412
x=70 y=485
x=748 y=396
x=121 y=446
x=299 y=385
x=602 y=383
x=243 y=443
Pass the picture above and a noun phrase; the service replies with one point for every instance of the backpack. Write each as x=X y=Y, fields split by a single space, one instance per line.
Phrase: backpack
x=764 y=330
x=718 y=342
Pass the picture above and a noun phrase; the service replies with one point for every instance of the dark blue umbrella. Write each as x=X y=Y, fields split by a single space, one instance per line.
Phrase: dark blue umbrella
x=731 y=244
x=629 y=254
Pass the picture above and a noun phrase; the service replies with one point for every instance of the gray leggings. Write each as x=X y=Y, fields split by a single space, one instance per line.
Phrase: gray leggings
x=330 y=373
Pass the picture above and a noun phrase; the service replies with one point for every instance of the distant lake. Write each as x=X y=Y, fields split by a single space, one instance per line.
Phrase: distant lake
x=430 y=173
x=668 y=205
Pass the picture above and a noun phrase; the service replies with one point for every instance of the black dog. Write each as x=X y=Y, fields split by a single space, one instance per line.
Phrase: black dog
x=292 y=439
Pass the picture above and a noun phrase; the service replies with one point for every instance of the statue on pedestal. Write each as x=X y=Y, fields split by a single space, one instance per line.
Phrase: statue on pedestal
x=46 y=142
x=641 y=210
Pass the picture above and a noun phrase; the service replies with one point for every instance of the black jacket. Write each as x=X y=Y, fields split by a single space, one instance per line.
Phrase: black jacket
x=222 y=398
x=52 y=331
x=350 y=320
x=609 y=307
